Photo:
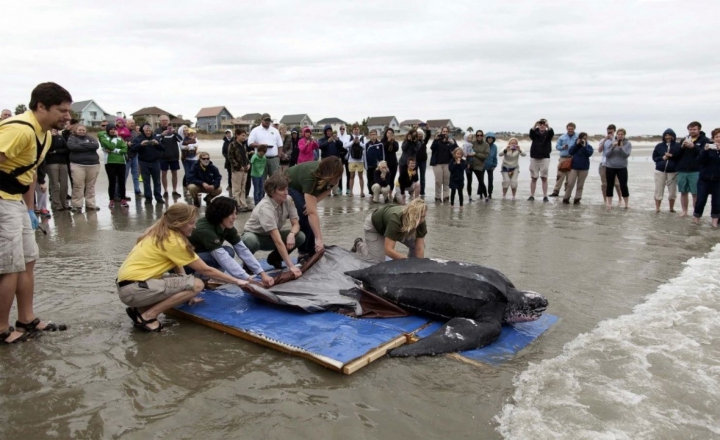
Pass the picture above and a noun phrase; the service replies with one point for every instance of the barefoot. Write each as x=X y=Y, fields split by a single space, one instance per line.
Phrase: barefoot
x=627 y=207
x=195 y=300
x=609 y=206
x=683 y=214
x=461 y=208
x=696 y=220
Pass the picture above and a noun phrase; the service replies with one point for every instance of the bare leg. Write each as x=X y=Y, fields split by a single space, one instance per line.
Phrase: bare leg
x=362 y=183
x=174 y=180
x=627 y=202
x=544 y=186
x=163 y=180
x=8 y=285
x=657 y=205
x=684 y=204
x=514 y=191
x=25 y=292
x=533 y=185
x=155 y=310
x=694 y=197
x=672 y=205
x=351 y=183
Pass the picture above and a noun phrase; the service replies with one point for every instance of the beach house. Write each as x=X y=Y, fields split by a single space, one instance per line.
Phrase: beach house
x=296 y=121
x=407 y=124
x=335 y=123
x=435 y=125
x=380 y=122
x=211 y=119
x=90 y=113
x=151 y=115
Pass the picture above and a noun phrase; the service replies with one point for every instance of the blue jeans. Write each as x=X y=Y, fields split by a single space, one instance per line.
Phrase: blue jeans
x=421 y=170
x=707 y=188
x=258 y=188
x=299 y=199
x=187 y=165
x=132 y=166
x=151 y=170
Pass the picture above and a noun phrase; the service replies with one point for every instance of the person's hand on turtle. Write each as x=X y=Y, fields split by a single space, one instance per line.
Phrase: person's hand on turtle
x=295 y=271
x=267 y=280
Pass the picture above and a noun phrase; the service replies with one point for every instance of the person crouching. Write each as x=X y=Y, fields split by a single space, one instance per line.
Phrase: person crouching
x=204 y=178
x=381 y=182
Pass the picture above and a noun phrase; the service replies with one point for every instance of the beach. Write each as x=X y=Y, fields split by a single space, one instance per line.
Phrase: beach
x=634 y=354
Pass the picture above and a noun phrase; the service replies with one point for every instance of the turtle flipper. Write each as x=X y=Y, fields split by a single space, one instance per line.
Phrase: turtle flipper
x=458 y=334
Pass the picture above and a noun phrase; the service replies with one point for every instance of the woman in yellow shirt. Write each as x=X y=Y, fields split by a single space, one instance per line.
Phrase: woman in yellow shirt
x=143 y=283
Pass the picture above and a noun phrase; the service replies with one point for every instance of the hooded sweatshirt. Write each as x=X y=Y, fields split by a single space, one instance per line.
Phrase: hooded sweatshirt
x=328 y=147
x=123 y=132
x=306 y=148
x=294 y=140
x=672 y=147
x=113 y=146
x=83 y=150
x=687 y=159
x=492 y=160
x=541 y=146
x=149 y=152
x=58 y=153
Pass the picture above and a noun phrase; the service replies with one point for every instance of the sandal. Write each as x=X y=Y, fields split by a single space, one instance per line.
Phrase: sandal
x=32 y=326
x=144 y=324
x=133 y=313
x=6 y=334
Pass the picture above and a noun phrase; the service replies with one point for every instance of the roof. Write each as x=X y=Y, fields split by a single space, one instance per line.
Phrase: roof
x=438 y=123
x=79 y=106
x=211 y=112
x=293 y=119
x=154 y=111
x=180 y=121
x=330 y=121
x=380 y=120
x=251 y=116
x=411 y=122
x=237 y=121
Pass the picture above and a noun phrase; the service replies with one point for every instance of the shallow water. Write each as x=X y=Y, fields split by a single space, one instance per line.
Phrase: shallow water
x=102 y=379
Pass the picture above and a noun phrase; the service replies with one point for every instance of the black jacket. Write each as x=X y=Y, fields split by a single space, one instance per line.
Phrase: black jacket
x=709 y=163
x=210 y=175
x=171 y=149
x=442 y=151
x=687 y=160
x=58 y=153
x=147 y=153
x=541 y=146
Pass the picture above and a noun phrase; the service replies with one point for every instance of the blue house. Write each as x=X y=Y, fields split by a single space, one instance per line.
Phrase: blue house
x=213 y=119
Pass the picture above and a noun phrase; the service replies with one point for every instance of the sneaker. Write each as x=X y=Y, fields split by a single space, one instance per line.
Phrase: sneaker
x=275 y=260
x=531 y=199
x=566 y=201
x=126 y=199
x=92 y=208
x=68 y=197
x=45 y=213
x=208 y=199
x=111 y=205
x=124 y=204
x=469 y=199
x=165 y=194
x=160 y=201
x=438 y=200
x=148 y=201
x=545 y=199
x=76 y=210
x=576 y=202
x=138 y=193
x=176 y=194
x=355 y=245
x=362 y=194
x=554 y=195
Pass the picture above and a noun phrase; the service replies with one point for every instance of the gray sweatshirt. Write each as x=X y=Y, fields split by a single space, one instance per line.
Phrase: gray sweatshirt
x=617 y=157
x=83 y=150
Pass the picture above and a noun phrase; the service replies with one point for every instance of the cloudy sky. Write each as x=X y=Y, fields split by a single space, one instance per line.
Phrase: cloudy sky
x=500 y=65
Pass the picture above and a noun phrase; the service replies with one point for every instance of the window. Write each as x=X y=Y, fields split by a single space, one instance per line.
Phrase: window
x=93 y=115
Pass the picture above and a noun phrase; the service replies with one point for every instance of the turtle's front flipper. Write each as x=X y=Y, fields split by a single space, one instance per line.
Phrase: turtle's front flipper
x=458 y=334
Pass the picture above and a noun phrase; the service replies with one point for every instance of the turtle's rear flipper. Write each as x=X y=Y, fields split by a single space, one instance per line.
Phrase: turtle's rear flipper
x=458 y=334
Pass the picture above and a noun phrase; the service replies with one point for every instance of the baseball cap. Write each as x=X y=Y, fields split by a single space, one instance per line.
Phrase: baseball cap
x=265 y=116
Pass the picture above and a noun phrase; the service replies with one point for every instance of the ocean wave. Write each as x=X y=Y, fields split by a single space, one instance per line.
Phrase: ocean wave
x=654 y=373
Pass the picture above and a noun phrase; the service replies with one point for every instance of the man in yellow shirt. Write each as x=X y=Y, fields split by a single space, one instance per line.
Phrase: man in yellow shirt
x=24 y=140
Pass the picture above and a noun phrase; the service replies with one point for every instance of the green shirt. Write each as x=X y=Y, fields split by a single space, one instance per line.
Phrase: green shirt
x=387 y=221
x=301 y=178
x=207 y=238
x=258 y=165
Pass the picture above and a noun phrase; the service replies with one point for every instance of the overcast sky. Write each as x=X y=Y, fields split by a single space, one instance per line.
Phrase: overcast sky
x=644 y=65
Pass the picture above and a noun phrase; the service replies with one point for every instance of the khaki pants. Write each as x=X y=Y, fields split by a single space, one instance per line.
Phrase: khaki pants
x=239 y=178
x=84 y=178
x=603 y=182
x=442 y=181
x=194 y=190
x=562 y=176
x=58 y=176
x=377 y=190
x=373 y=248
x=574 y=176
x=661 y=181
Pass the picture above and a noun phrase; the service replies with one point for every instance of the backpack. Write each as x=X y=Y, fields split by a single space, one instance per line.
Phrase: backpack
x=356 y=150
x=8 y=180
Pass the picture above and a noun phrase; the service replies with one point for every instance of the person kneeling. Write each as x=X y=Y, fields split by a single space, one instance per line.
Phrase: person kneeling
x=408 y=180
x=263 y=228
x=204 y=178
x=143 y=283
x=216 y=228
x=392 y=223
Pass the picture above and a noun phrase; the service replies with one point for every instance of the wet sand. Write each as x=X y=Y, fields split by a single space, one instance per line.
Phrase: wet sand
x=103 y=379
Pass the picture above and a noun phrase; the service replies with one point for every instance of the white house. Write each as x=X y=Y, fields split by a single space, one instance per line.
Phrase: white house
x=297 y=121
x=91 y=114
x=380 y=122
x=435 y=125
x=335 y=123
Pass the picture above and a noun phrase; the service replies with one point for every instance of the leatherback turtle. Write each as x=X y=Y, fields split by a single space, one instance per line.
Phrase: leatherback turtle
x=474 y=300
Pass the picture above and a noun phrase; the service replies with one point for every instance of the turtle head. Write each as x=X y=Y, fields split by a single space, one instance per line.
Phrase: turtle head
x=524 y=306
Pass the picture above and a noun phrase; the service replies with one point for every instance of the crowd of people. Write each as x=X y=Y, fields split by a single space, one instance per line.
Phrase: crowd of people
x=291 y=174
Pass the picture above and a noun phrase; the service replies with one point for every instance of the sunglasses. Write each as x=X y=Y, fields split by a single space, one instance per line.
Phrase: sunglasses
x=479 y=135
x=204 y=158
x=267 y=120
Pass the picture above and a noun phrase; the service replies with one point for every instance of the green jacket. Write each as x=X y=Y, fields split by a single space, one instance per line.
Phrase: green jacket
x=482 y=151
x=115 y=149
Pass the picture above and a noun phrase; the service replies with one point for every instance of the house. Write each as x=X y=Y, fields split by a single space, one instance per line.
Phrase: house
x=407 y=124
x=335 y=123
x=151 y=115
x=90 y=113
x=380 y=122
x=240 y=123
x=211 y=119
x=251 y=117
x=435 y=125
x=296 y=121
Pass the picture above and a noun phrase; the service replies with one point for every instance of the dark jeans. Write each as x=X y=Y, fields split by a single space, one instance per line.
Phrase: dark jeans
x=116 y=179
x=489 y=182
x=370 y=178
x=707 y=188
x=299 y=199
x=248 y=182
x=150 y=170
x=622 y=175
x=258 y=188
x=482 y=191
x=187 y=165
x=422 y=166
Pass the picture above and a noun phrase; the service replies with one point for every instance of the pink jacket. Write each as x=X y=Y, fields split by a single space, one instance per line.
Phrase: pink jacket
x=306 y=148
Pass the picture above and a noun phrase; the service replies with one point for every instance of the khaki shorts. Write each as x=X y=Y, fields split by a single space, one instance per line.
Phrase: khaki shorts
x=152 y=291
x=539 y=168
x=356 y=167
x=17 y=237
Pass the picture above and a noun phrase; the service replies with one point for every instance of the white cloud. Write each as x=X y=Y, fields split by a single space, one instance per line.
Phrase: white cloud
x=645 y=65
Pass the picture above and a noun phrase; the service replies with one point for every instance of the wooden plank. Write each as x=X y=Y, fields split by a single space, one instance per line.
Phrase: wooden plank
x=373 y=355
x=461 y=358
x=258 y=340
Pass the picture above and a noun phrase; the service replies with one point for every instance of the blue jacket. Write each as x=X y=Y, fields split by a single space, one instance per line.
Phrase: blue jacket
x=566 y=141
x=687 y=161
x=491 y=161
x=581 y=156
x=210 y=175
x=147 y=153
x=709 y=162
x=374 y=153
x=669 y=166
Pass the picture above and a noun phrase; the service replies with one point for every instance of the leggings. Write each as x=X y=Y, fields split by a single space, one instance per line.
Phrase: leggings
x=116 y=179
x=482 y=191
x=452 y=196
x=489 y=182
x=622 y=175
